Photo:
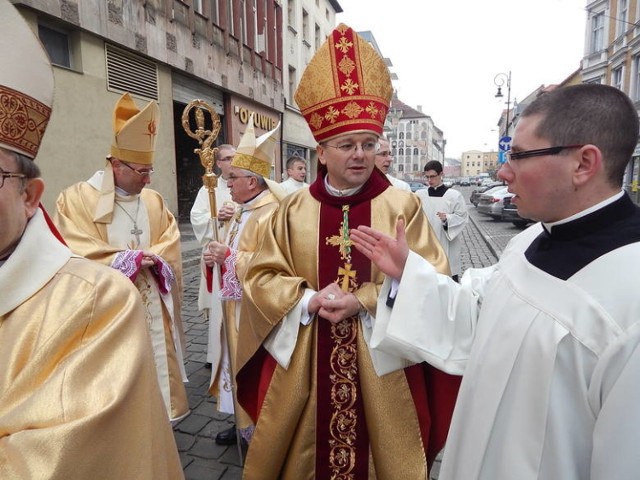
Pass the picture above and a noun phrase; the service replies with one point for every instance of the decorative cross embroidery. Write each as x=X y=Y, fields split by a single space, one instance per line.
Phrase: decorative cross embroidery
x=346 y=276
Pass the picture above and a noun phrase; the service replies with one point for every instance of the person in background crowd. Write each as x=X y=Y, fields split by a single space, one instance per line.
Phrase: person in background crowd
x=384 y=159
x=113 y=219
x=78 y=392
x=446 y=210
x=202 y=223
x=548 y=339
x=325 y=406
x=296 y=174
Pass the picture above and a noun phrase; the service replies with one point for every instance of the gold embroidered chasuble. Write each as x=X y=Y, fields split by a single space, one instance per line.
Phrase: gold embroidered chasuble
x=286 y=265
x=74 y=219
x=78 y=389
x=255 y=223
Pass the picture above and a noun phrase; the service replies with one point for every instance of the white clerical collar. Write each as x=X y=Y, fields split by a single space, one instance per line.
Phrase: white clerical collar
x=583 y=213
x=123 y=193
x=340 y=193
x=255 y=199
x=296 y=182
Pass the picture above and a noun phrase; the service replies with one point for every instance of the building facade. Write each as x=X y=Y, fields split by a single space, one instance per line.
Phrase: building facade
x=612 y=57
x=414 y=139
x=475 y=162
x=308 y=23
x=226 y=52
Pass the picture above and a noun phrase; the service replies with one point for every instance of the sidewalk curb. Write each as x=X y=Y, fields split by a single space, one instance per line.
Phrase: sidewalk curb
x=487 y=239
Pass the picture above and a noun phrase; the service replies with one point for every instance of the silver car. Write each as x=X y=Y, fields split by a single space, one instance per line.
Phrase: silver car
x=492 y=202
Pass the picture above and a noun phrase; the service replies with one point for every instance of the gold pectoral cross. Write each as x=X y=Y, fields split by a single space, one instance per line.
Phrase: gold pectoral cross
x=348 y=277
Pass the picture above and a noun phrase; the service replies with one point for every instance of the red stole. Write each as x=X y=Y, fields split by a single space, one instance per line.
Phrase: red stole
x=342 y=441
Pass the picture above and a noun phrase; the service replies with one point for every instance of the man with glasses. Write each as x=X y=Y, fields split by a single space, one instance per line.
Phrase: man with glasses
x=548 y=339
x=79 y=395
x=446 y=210
x=113 y=219
x=384 y=159
x=202 y=223
x=325 y=406
x=257 y=198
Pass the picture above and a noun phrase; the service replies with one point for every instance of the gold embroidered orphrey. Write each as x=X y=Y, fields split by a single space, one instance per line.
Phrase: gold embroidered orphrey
x=344 y=368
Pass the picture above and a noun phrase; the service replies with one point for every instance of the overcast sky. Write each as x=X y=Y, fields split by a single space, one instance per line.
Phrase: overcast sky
x=447 y=53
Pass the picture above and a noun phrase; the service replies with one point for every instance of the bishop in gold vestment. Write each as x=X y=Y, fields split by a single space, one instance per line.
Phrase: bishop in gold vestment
x=79 y=397
x=326 y=406
x=114 y=219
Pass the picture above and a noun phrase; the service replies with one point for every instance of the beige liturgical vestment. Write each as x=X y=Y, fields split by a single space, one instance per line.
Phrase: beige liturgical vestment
x=78 y=392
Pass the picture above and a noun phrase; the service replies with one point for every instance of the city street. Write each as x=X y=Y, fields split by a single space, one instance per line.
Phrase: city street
x=484 y=239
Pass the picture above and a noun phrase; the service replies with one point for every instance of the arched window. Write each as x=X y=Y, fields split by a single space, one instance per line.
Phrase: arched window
x=408 y=135
x=401 y=135
x=401 y=151
x=415 y=151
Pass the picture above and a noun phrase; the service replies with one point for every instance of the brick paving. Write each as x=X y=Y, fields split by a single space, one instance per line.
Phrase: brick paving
x=201 y=458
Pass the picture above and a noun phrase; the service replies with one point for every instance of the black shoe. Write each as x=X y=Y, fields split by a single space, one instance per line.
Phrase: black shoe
x=227 y=437
x=208 y=365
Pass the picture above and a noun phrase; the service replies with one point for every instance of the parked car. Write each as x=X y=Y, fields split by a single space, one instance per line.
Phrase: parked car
x=510 y=213
x=465 y=182
x=491 y=202
x=416 y=186
x=475 y=194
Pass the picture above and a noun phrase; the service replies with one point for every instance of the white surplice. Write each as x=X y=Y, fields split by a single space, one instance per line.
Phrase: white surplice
x=551 y=386
x=453 y=204
x=202 y=224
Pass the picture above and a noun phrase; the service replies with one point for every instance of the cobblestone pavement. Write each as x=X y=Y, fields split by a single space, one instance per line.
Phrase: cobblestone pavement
x=201 y=458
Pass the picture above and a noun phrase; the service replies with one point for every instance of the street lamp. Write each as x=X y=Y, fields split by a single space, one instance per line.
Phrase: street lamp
x=500 y=80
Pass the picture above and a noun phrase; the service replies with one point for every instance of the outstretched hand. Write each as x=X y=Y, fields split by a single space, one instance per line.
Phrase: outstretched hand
x=387 y=253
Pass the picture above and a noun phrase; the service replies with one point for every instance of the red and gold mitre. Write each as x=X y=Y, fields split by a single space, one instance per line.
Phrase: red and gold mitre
x=345 y=88
x=26 y=85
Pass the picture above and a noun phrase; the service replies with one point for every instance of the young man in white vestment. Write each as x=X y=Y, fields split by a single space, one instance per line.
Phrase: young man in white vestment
x=446 y=210
x=79 y=397
x=548 y=338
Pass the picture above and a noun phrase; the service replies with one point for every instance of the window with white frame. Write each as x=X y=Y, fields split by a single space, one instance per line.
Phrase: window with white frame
x=616 y=77
x=597 y=32
x=215 y=17
x=621 y=23
x=635 y=94
x=305 y=26
x=291 y=13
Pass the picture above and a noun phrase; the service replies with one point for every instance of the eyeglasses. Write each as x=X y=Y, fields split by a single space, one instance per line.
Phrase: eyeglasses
x=232 y=178
x=141 y=173
x=538 y=152
x=429 y=177
x=383 y=154
x=4 y=175
x=353 y=147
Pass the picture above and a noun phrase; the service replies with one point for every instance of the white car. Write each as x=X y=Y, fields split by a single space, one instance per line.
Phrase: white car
x=492 y=202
